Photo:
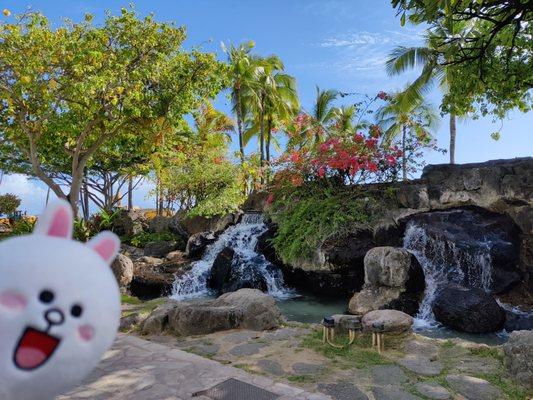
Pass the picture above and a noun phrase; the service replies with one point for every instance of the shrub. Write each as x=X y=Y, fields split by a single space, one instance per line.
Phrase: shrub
x=309 y=214
x=9 y=203
x=23 y=226
x=141 y=239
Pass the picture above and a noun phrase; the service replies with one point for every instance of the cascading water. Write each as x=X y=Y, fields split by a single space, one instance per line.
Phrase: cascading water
x=449 y=258
x=242 y=238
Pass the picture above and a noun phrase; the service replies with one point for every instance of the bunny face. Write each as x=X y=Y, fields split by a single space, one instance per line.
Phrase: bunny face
x=59 y=307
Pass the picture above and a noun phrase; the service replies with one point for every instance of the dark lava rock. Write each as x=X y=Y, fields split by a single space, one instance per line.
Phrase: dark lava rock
x=468 y=309
x=517 y=321
x=159 y=249
x=347 y=251
x=197 y=243
x=151 y=280
x=469 y=239
x=265 y=247
x=323 y=282
x=229 y=273
x=220 y=272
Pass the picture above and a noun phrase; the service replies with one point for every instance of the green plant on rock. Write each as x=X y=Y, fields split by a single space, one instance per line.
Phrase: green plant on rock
x=141 y=239
x=309 y=214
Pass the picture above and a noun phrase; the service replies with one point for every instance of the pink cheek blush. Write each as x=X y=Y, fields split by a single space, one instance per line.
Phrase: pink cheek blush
x=13 y=300
x=86 y=332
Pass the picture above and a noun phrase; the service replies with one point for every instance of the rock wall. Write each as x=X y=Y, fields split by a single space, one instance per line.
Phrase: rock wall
x=499 y=186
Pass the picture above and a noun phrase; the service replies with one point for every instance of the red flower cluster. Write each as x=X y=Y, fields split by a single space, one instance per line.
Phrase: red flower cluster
x=352 y=158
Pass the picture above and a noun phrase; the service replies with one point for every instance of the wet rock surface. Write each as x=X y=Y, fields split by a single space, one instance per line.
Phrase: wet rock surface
x=468 y=309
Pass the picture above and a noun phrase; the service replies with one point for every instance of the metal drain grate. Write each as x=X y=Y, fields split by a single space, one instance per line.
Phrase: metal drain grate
x=233 y=389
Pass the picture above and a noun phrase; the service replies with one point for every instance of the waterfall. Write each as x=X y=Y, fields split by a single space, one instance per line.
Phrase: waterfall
x=242 y=238
x=446 y=261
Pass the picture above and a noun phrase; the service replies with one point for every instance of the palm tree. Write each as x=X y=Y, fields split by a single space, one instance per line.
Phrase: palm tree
x=242 y=74
x=434 y=68
x=343 y=119
x=272 y=99
x=399 y=117
x=323 y=112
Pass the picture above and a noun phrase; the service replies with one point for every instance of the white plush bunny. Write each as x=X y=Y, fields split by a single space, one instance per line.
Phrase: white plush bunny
x=59 y=307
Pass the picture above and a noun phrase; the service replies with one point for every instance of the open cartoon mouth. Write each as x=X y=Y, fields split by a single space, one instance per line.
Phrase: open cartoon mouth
x=34 y=348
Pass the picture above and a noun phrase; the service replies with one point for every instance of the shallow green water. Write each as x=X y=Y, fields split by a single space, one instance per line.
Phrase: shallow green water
x=311 y=309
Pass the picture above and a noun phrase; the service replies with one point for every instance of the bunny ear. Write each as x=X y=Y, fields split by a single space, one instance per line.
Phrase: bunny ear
x=56 y=220
x=106 y=244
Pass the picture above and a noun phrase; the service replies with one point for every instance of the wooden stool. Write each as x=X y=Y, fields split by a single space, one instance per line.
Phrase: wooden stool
x=378 y=339
x=329 y=332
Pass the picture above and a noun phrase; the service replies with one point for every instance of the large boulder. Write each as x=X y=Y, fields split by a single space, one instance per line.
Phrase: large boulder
x=122 y=268
x=393 y=280
x=154 y=277
x=159 y=224
x=216 y=224
x=129 y=223
x=383 y=298
x=246 y=308
x=518 y=357
x=221 y=270
x=197 y=244
x=393 y=267
x=160 y=249
x=391 y=321
x=229 y=275
x=468 y=309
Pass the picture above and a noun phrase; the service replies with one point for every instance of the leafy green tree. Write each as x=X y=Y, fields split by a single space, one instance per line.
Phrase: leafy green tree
x=489 y=51
x=398 y=117
x=68 y=92
x=196 y=176
x=272 y=100
x=434 y=69
x=9 y=203
x=242 y=67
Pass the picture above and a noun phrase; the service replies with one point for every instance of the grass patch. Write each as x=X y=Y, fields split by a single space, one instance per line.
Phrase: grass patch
x=300 y=378
x=487 y=352
x=126 y=299
x=358 y=354
x=511 y=389
x=448 y=344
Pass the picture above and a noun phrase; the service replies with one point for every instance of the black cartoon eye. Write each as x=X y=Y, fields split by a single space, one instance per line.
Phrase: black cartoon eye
x=46 y=296
x=76 y=310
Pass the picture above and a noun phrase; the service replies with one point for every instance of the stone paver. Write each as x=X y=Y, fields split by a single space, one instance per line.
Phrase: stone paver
x=301 y=368
x=240 y=337
x=271 y=367
x=388 y=375
x=432 y=391
x=473 y=388
x=135 y=369
x=421 y=365
x=247 y=349
x=392 y=392
x=342 y=391
x=206 y=349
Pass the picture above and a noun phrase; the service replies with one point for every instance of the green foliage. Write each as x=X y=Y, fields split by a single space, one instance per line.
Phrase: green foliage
x=83 y=93
x=358 y=355
x=9 y=203
x=22 y=227
x=141 y=239
x=309 y=214
x=83 y=230
x=485 y=48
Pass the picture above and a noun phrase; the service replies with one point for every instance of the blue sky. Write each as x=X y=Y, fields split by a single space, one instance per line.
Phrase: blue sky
x=339 y=44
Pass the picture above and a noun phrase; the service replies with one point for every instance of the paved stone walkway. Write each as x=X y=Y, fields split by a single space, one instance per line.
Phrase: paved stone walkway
x=136 y=369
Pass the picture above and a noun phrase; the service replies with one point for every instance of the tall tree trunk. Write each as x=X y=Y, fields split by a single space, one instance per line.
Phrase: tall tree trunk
x=453 y=133
x=404 y=158
x=239 y=125
x=130 y=193
x=85 y=198
x=262 y=138
x=268 y=139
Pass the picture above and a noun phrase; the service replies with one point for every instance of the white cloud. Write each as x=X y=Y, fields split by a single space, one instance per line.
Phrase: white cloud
x=355 y=39
x=31 y=192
